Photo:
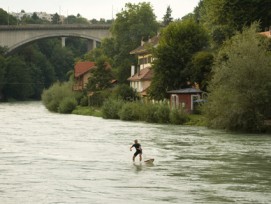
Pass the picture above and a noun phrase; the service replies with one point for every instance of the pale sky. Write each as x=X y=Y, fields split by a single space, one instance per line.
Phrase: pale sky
x=97 y=9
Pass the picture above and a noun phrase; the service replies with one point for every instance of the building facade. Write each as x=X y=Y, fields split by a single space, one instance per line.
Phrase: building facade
x=142 y=74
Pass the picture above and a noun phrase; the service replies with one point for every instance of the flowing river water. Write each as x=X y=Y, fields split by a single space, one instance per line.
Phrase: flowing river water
x=52 y=158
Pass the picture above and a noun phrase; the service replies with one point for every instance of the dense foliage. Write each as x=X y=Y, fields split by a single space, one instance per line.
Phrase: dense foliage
x=133 y=23
x=178 y=43
x=33 y=68
x=60 y=98
x=202 y=47
x=223 y=17
x=139 y=111
x=240 y=91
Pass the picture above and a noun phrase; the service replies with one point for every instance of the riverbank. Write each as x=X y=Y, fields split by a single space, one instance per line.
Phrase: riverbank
x=193 y=119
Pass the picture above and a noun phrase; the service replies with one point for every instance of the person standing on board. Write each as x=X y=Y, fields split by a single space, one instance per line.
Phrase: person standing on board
x=137 y=146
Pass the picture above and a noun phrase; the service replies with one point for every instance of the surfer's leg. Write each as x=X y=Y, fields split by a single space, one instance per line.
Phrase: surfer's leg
x=135 y=154
x=140 y=157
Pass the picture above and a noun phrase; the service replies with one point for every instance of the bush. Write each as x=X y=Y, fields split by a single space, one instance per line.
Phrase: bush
x=178 y=117
x=53 y=96
x=156 y=113
x=84 y=101
x=151 y=113
x=125 y=92
x=98 y=98
x=131 y=111
x=111 y=108
x=67 y=105
x=163 y=113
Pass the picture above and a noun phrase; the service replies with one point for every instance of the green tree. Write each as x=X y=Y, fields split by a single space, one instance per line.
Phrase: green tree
x=101 y=76
x=201 y=67
x=241 y=86
x=7 y=19
x=167 y=19
x=2 y=73
x=178 y=43
x=223 y=17
x=42 y=72
x=76 y=20
x=56 y=19
x=62 y=60
x=131 y=25
x=18 y=79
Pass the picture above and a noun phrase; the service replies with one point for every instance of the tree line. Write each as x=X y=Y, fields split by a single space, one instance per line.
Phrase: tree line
x=199 y=48
x=8 y=19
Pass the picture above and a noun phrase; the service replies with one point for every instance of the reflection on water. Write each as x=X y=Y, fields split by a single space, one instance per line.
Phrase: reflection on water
x=52 y=158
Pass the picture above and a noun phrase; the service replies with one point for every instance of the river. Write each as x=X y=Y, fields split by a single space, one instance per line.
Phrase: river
x=52 y=158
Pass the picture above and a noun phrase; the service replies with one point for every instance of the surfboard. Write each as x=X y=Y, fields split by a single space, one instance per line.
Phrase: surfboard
x=149 y=161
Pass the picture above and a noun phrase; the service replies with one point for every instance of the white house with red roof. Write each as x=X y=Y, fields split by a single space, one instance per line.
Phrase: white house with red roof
x=141 y=76
x=82 y=74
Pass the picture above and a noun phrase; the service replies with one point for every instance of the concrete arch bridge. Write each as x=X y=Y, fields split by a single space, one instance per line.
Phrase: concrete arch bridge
x=15 y=36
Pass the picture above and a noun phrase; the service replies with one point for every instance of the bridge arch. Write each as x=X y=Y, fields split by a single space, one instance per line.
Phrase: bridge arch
x=14 y=37
x=36 y=38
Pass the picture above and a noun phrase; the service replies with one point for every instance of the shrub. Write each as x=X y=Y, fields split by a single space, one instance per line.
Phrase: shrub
x=178 y=117
x=151 y=113
x=96 y=99
x=125 y=92
x=163 y=113
x=53 y=96
x=84 y=101
x=111 y=108
x=156 y=113
x=67 y=105
x=131 y=111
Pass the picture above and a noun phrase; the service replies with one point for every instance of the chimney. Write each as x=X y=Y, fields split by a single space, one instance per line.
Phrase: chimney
x=132 y=70
x=138 y=70
x=142 y=41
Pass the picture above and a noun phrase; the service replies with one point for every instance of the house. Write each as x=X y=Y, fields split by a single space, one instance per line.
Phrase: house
x=185 y=98
x=142 y=75
x=82 y=74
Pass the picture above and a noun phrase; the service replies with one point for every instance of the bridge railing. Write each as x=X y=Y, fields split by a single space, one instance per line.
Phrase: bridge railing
x=55 y=27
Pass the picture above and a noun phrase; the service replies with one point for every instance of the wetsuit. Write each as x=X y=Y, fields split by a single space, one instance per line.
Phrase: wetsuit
x=137 y=146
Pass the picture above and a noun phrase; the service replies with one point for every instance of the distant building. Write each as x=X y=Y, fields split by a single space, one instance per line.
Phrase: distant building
x=185 y=98
x=142 y=75
x=42 y=15
x=82 y=74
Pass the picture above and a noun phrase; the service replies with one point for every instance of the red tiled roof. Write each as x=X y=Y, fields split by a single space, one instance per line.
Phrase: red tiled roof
x=145 y=74
x=81 y=68
x=144 y=48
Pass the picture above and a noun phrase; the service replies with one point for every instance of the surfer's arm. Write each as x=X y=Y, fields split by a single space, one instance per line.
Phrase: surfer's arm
x=131 y=148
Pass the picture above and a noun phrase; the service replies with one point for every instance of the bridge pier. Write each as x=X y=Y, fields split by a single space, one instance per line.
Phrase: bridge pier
x=92 y=44
x=63 y=41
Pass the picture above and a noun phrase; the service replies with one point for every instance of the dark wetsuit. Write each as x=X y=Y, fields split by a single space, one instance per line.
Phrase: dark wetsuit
x=138 y=149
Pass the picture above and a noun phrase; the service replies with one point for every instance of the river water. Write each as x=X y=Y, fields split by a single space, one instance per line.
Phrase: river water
x=52 y=158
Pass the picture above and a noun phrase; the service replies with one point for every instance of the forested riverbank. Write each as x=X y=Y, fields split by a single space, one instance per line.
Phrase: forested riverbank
x=225 y=55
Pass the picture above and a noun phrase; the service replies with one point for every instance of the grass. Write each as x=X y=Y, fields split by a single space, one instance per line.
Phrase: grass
x=196 y=120
x=89 y=111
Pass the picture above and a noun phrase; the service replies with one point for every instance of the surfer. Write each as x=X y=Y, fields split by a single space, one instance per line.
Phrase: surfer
x=137 y=146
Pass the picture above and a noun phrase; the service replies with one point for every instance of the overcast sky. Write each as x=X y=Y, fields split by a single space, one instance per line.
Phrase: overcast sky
x=97 y=8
